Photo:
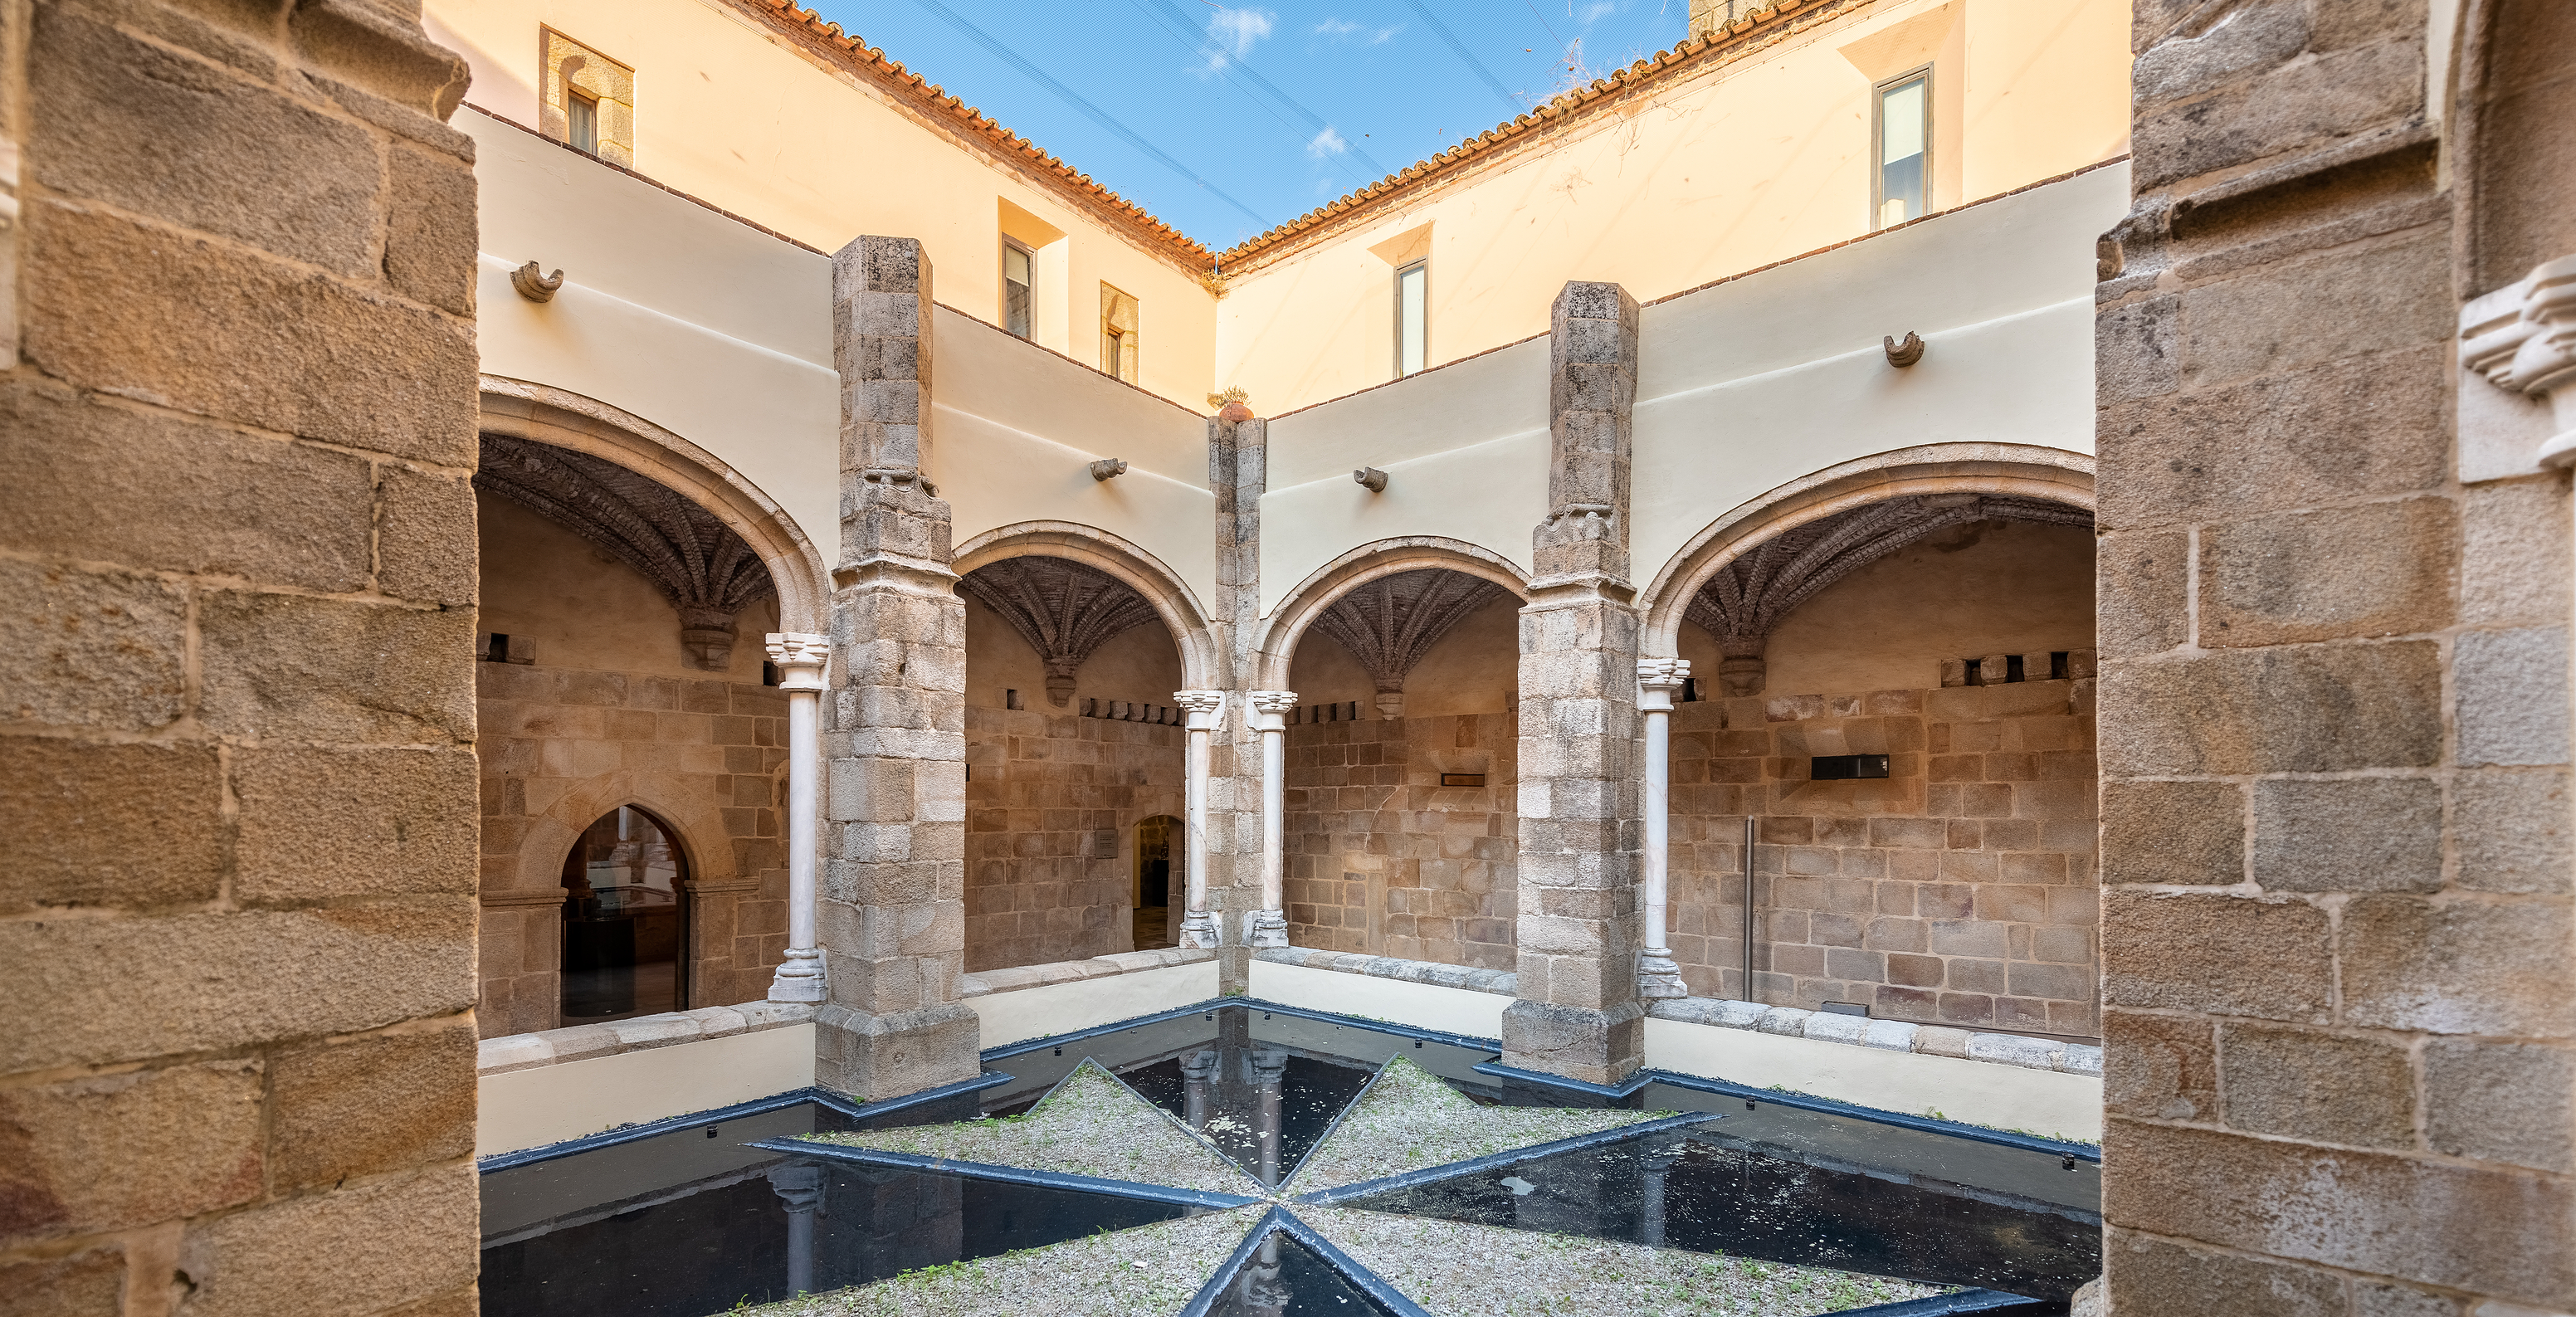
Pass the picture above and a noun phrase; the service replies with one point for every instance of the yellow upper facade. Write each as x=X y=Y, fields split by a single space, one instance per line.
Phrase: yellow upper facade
x=1743 y=147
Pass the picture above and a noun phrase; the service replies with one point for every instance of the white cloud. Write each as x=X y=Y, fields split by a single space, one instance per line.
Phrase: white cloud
x=1232 y=33
x=1327 y=144
x=1338 y=28
x=1595 y=12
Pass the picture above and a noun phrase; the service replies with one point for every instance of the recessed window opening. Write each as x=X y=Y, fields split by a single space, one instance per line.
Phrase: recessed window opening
x=497 y=648
x=623 y=919
x=2012 y=668
x=1845 y=768
x=1157 y=869
x=1019 y=298
x=581 y=111
x=1412 y=317
x=1904 y=133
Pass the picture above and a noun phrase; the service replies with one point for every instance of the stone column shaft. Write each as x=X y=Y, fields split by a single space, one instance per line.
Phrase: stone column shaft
x=1237 y=473
x=1206 y=711
x=1578 y=1014
x=1268 y=925
x=801 y=659
x=1657 y=681
x=893 y=908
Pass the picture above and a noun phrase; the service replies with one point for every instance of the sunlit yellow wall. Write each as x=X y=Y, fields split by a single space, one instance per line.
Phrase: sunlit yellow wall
x=1760 y=161
x=727 y=113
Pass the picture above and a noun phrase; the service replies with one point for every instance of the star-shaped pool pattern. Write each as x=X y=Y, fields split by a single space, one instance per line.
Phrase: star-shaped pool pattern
x=1276 y=1215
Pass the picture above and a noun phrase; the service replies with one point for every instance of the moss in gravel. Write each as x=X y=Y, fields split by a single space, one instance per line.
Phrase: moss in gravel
x=1091 y=1125
x=1150 y=1269
x=1409 y=1120
x=1461 y=1270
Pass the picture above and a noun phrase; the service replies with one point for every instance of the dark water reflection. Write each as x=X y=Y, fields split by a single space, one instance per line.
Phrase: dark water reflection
x=1284 y=1278
x=1714 y=1190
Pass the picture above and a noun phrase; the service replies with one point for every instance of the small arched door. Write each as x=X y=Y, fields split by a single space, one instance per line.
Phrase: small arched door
x=1158 y=874
x=624 y=919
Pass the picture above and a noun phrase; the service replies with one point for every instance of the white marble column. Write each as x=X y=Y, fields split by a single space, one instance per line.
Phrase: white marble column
x=799 y=1185
x=1268 y=926
x=1206 y=711
x=800 y=658
x=1657 y=681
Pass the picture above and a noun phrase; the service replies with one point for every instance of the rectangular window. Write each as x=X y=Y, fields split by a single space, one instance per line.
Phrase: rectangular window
x=1904 y=146
x=1119 y=344
x=1114 y=347
x=1412 y=317
x=582 y=112
x=1019 y=302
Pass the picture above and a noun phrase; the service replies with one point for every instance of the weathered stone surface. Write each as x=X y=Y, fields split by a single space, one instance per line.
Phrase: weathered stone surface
x=426 y=538
x=1597 y=1047
x=2141 y=604
x=2514 y=551
x=360 y=1249
x=159 y=134
x=2302 y=105
x=2457 y=967
x=429 y=247
x=93 y=480
x=2228 y=955
x=2501 y=1102
x=2472 y=1228
x=99 y=650
x=2371 y=834
x=281 y=349
x=2511 y=830
x=2375 y=570
x=2505 y=683
x=2325 y=1088
x=233 y=980
x=2175 y=1278
x=90 y=1283
x=885 y=1056
x=372 y=1105
x=2184 y=833
x=317 y=824
x=185 y=1140
x=2307 y=709
x=125 y=825
x=287 y=667
x=2159 y=1067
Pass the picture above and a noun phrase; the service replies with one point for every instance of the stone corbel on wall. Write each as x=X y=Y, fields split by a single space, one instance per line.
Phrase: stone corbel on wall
x=2522 y=338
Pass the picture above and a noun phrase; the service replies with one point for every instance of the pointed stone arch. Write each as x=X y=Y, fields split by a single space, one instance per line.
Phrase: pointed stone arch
x=1161 y=588
x=1304 y=607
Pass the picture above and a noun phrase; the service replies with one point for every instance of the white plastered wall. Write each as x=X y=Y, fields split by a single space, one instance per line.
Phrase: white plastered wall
x=549 y=1104
x=1054 y=1008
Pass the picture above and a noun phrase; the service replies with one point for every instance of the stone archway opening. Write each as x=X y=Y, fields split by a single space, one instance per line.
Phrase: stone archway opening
x=1401 y=762
x=1073 y=744
x=625 y=919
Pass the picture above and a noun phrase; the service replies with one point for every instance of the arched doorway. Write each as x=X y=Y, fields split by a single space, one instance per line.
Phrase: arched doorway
x=1160 y=871
x=625 y=919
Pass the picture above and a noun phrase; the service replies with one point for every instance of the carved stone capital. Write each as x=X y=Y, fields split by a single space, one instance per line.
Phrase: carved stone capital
x=800 y=656
x=1270 y=710
x=2522 y=338
x=1658 y=680
x=1206 y=709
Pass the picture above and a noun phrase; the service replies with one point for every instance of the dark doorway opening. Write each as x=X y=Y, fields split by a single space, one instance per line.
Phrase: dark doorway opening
x=625 y=919
x=1157 y=872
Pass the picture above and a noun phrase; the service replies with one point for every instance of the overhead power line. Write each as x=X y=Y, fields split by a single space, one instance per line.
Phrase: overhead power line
x=1314 y=123
x=1459 y=48
x=1089 y=110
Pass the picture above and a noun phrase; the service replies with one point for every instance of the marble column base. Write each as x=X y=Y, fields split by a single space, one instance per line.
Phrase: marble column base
x=1265 y=928
x=800 y=977
x=1199 y=931
x=1658 y=978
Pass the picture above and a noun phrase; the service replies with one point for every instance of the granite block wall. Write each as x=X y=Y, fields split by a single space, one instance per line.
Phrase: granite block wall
x=1052 y=803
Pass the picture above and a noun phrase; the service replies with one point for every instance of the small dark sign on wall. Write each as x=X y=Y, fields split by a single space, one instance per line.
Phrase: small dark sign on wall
x=1838 y=768
x=1462 y=779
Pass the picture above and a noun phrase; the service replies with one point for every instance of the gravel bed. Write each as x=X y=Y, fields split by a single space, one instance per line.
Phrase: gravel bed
x=1092 y=1125
x=1150 y=1269
x=1409 y=1120
x=1460 y=1270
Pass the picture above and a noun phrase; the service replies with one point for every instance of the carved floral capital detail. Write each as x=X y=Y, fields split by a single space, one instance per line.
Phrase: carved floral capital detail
x=2522 y=337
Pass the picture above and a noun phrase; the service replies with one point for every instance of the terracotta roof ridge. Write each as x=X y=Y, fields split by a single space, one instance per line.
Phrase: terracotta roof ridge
x=1691 y=55
x=935 y=101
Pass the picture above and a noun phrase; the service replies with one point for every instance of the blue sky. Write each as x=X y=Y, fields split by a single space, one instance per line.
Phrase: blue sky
x=1229 y=119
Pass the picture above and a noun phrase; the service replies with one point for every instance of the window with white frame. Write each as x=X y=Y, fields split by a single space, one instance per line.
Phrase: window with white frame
x=1904 y=146
x=1412 y=317
x=1019 y=293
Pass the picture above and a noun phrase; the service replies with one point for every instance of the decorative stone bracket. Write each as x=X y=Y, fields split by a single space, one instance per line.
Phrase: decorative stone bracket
x=2522 y=338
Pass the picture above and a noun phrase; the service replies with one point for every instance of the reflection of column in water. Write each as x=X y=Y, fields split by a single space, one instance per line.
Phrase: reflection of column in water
x=1269 y=1067
x=1198 y=1070
x=800 y=1186
x=1650 y=1230
x=1260 y=1288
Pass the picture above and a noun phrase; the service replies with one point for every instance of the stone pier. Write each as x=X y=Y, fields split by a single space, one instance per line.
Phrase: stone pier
x=1578 y=1014
x=892 y=914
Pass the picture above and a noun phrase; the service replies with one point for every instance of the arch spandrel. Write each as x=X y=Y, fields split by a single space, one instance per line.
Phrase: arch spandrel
x=2020 y=471
x=1299 y=609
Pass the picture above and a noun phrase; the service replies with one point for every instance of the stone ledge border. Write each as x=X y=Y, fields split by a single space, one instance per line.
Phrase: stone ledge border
x=1885 y=1035
x=984 y=983
x=1789 y=1021
x=582 y=1042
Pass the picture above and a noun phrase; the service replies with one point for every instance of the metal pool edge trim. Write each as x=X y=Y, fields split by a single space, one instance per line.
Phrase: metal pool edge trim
x=824 y=1097
x=1508 y=1157
x=1939 y=1305
x=1160 y=1193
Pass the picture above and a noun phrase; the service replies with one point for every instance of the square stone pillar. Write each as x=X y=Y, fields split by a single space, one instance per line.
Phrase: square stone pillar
x=1579 y=794
x=892 y=913
x=1238 y=472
